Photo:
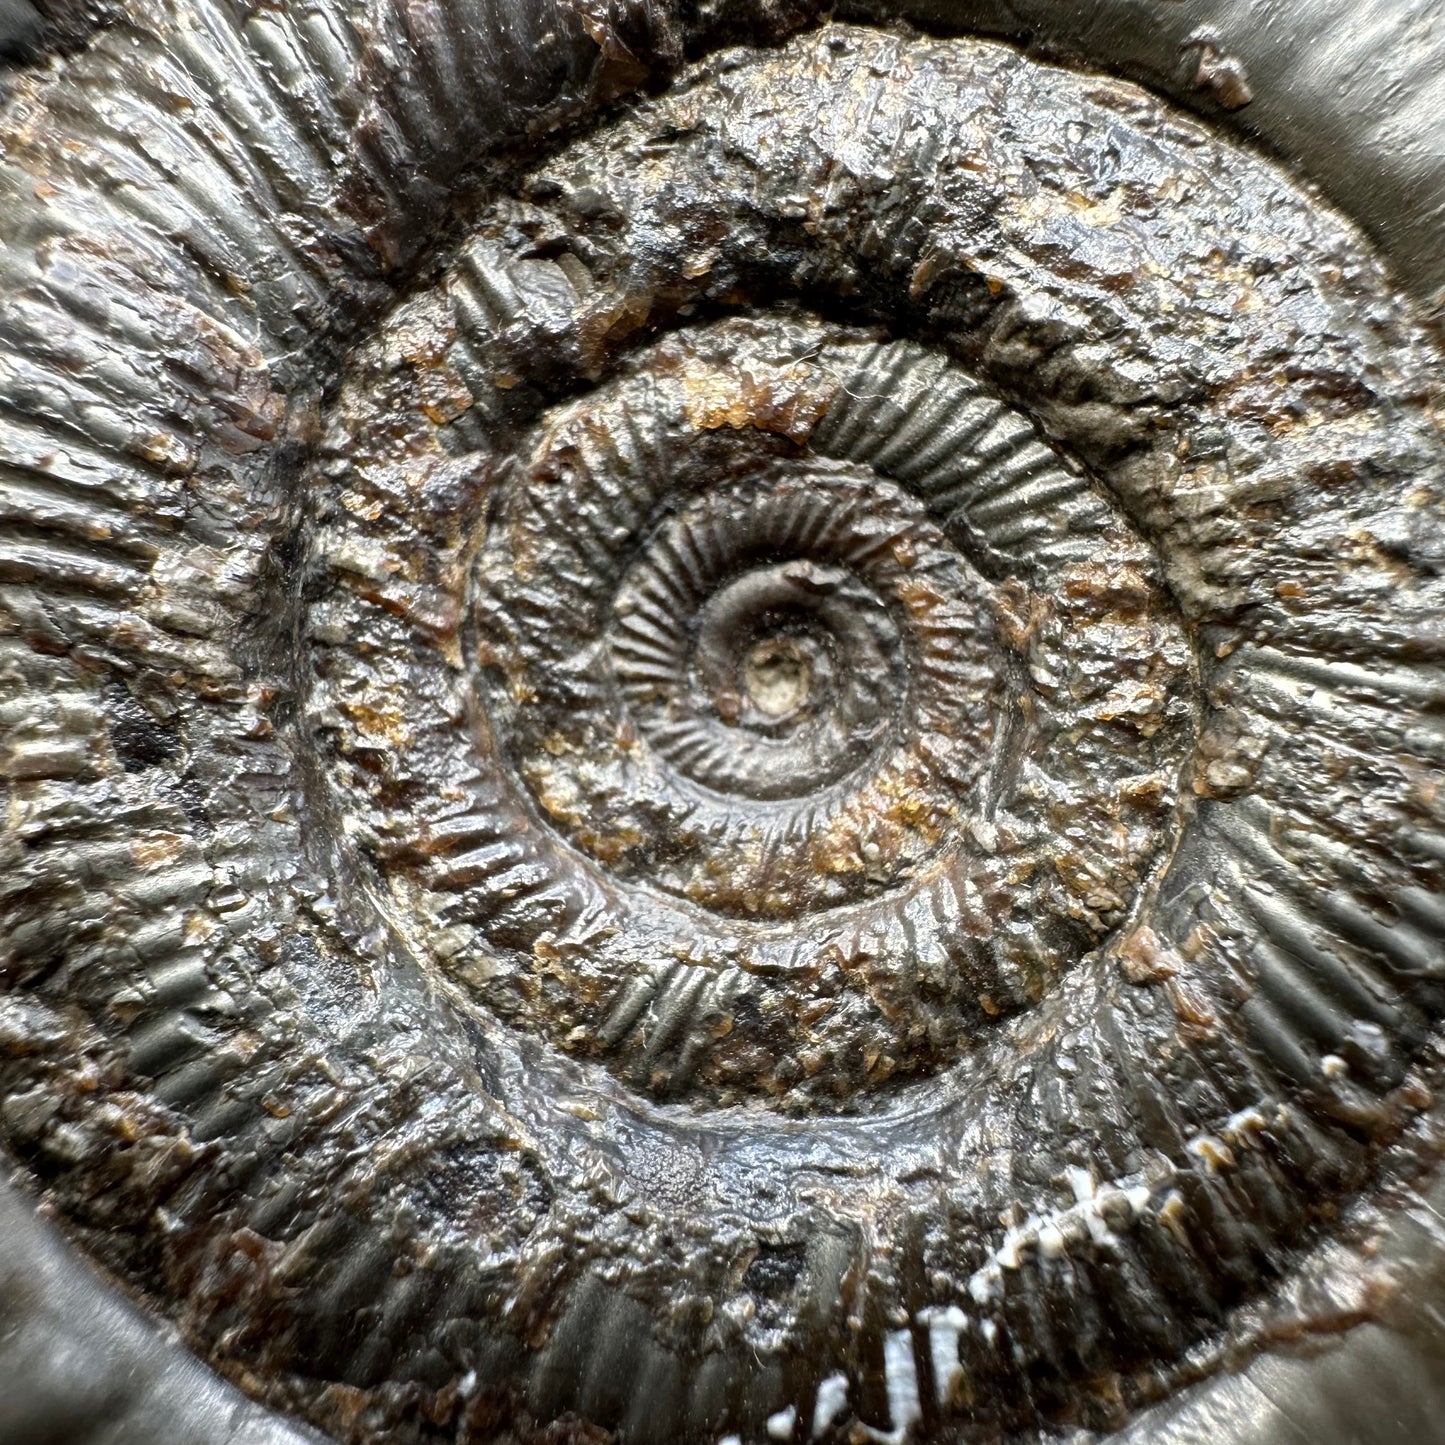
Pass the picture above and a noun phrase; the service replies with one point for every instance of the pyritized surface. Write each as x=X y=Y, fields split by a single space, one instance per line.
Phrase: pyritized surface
x=460 y=1005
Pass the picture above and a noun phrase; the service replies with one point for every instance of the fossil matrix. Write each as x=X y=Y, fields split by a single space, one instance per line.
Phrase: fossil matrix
x=702 y=739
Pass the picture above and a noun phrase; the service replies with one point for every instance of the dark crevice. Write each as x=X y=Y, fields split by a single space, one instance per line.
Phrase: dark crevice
x=34 y=32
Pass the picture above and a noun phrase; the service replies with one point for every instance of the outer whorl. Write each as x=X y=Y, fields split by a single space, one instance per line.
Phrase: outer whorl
x=705 y=740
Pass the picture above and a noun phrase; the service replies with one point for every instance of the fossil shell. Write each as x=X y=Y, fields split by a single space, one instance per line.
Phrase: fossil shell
x=704 y=740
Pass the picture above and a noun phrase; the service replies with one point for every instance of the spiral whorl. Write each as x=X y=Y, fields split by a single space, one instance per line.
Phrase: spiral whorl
x=766 y=767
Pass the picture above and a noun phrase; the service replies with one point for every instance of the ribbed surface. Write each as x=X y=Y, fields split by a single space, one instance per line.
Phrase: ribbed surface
x=1254 y=1021
x=240 y=1052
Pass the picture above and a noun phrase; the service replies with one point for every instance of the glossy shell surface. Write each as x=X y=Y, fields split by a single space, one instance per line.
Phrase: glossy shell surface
x=716 y=726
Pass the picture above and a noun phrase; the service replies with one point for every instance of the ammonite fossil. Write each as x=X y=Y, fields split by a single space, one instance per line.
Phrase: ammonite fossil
x=719 y=725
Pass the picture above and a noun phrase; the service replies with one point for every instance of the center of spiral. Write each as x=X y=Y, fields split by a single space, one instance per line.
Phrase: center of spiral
x=772 y=692
x=784 y=762
x=778 y=676
x=760 y=678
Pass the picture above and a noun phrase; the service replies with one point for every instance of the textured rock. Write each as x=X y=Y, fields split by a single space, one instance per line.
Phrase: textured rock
x=764 y=764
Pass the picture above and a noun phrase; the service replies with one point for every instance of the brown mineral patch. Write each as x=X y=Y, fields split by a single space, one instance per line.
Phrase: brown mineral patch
x=788 y=402
x=1145 y=958
x=379 y=722
x=1123 y=589
x=1191 y=1007
x=443 y=395
x=157 y=849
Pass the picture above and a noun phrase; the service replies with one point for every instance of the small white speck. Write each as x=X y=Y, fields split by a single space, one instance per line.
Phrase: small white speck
x=983 y=1284
x=831 y=1402
x=780 y=1426
x=1244 y=1123
x=901 y=1372
x=1215 y=1153
x=944 y=1328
